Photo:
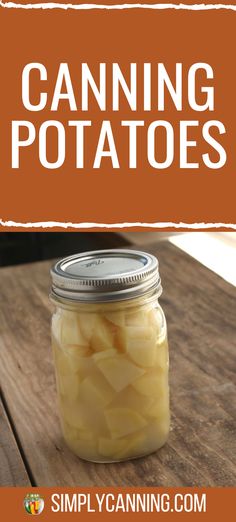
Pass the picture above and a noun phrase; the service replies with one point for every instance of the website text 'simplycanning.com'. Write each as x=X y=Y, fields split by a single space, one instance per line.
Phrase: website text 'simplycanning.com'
x=125 y=502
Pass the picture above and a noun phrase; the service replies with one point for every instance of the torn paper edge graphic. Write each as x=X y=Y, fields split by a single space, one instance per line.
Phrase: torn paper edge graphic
x=60 y=224
x=77 y=7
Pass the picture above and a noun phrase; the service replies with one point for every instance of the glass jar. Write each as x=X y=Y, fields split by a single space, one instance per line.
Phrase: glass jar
x=110 y=348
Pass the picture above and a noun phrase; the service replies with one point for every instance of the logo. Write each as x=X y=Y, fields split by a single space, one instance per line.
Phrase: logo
x=33 y=504
x=95 y=262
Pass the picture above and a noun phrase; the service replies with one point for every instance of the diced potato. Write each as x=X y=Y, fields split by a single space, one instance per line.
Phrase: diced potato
x=134 y=447
x=136 y=318
x=69 y=385
x=156 y=319
x=139 y=332
x=70 y=330
x=85 y=435
x=70 y=359
x=102 y=338
x=159 y=408
x=99 y=356
x=162 y=426
x=75 y=351
x=157 y=434
x=151 y=384
x=84 y=415
x=112 y=375
x=72 y=433
x=116 y=318
x=95 y=392
x=56 y=326
x=88 y=323
x=122 y=421
x=118 y=371
x=142 y=351
x=62 y=362
x=110 y=447
x=131 y=333
x=86 y=367
x=58 y=358
x=133 y=400
x=85 y=449
x=74 y=414
x=162 y=355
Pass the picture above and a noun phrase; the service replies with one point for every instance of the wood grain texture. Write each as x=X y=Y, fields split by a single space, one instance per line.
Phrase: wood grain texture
x=201 y=312
x=12 y=469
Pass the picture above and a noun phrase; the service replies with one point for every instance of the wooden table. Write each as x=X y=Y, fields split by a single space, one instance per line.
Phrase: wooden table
x=201 y=451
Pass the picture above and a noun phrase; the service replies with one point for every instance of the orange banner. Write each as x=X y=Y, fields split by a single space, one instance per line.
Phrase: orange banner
x=112 y=117
x=169 y=504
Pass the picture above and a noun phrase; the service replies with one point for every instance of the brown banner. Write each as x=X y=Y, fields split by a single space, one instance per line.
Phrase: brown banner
x=182 y=167
x=169 y=504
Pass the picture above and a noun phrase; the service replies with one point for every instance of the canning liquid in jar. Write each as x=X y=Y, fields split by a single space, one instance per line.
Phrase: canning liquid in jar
x=110 y=348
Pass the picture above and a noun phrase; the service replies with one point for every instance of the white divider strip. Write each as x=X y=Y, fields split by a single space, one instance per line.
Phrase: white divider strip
x=60 y=224
x=80 y=7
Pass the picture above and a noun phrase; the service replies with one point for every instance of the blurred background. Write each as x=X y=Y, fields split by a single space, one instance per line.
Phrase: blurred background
x=216 y=250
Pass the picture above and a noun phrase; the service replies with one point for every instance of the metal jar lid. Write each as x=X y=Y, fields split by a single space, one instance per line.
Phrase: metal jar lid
x=105 y=275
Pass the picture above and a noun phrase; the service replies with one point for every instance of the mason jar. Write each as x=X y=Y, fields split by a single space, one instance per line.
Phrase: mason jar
x=109 y=341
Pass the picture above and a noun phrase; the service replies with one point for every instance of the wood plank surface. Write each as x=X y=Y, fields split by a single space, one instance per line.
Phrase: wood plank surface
x=12 y=468
x=201 y=313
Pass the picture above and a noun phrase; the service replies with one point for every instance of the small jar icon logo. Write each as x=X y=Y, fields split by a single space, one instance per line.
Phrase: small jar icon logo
x=33 y=504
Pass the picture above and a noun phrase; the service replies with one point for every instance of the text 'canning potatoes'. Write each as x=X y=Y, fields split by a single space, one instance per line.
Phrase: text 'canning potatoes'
x=105 y=102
